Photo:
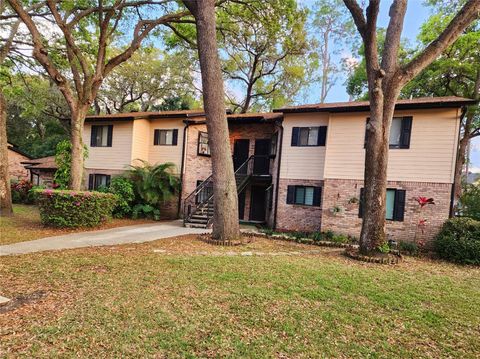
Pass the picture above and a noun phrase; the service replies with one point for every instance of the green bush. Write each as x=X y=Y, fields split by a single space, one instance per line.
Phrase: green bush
x=122 y=188
x=317 y=236
x=408 y=248
x=470 y=202
x=340 y=238
x=459 y=241
x=147 y=211
x=21 y=191
x=60 y=208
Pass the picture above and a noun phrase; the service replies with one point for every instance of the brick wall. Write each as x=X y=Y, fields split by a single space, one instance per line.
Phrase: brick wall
x=339 y=192
x=16 y=170
x=293 y=217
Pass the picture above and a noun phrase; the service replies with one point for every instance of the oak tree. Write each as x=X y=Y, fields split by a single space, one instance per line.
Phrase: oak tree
x=386 y=77
x=225 y=218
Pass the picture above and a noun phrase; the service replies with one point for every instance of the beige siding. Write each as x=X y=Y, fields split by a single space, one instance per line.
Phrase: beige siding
x=117 y=157
x=302 y=162
x=162 y=154
x=141 y=141
x=430 y=158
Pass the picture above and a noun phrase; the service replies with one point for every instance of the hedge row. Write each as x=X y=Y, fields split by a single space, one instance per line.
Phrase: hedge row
x=61 y=208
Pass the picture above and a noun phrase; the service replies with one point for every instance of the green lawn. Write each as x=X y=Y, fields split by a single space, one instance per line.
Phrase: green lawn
x=130 y=301
x=25 y=225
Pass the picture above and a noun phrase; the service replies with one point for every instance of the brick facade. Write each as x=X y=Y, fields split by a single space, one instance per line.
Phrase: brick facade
x=294 y=217
x=340 y=192
x=16 y=170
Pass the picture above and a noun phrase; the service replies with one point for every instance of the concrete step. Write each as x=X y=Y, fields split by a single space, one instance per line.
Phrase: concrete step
x=195 y=225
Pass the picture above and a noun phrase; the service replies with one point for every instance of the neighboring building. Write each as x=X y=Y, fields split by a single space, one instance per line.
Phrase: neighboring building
x=299 y=168
x=473 y=177
x=41 y=170
x=15 y=167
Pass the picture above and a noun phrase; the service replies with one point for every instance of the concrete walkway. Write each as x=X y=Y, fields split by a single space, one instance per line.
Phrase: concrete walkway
x=120 y=235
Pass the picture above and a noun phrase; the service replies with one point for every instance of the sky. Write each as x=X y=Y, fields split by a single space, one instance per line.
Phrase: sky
x=416 y=14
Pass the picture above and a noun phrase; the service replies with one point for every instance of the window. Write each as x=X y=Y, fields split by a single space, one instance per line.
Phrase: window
x=400 y=132
x=273 y=145
x=309 y=136
x=395 y=204
x=101 y=136
x=165 y=137
x=96 y=181
x=203 y=147
x=304 y=195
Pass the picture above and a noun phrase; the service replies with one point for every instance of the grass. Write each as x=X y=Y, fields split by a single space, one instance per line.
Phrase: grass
x=183 y=298
x=25 y=225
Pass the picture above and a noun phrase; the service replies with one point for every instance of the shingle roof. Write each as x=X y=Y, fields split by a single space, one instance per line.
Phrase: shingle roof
x=355 y=106
x=148 y=115
x=44 y=163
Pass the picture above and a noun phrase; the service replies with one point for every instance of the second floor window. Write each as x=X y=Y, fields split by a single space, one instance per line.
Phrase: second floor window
x=101 y=136
x=309 y=136
x=203 y=147
x=165 y=137
x=400 y=132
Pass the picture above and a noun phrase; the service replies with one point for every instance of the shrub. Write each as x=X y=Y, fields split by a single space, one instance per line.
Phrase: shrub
x=61 y=208
x=147 y=211
x=123 y=188
x=339 y=238
x=470 y=202
x=459 y=241
x=317 y=236
x=20 y=191
x=329 y=235
x=408 y=248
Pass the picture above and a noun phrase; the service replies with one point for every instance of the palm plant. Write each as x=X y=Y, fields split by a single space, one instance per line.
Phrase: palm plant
x=154 y=185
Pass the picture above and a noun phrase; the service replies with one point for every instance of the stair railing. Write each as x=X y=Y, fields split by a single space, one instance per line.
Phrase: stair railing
x=202 y=197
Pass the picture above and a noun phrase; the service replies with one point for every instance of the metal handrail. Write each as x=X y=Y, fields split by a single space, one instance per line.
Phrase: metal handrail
x=189 y=204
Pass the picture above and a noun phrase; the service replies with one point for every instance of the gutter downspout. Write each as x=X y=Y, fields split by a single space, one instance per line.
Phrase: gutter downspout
x=278 y=175
x=187 y=123
x=452 y=194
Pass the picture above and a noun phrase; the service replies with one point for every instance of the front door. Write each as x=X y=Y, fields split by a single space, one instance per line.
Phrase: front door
x=261 y=164
x=241 y=150
x=241 y=205
x=257 y=204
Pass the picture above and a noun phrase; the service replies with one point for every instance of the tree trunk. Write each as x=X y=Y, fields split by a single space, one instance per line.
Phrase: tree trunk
x=461 y=157
x=225 y=220
x=5 y=191
x=76 y=169
x=382 y=106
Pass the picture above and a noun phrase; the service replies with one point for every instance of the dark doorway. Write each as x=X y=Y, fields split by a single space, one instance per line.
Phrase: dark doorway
x=257 y=204
x=241 y=205
x=261 y=164
x=241 y=149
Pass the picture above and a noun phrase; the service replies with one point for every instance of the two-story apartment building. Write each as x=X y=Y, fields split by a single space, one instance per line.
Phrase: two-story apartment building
x=299 y=168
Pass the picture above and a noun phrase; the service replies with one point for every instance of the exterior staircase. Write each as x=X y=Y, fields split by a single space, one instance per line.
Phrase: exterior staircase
x=198 y=207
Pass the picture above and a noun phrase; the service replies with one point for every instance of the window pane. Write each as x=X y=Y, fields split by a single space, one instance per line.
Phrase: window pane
x=104 y=136
x=168 y=137
x=299 y=195
x=309 y=196
x=163 y=134
x=390 y=203
x=313 y=136
x=203 y=147
x=395 y=132
x=303 y=136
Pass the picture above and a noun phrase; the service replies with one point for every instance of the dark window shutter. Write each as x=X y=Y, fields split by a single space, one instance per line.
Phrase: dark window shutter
x=317 y=196
x=90 y=181
x=175 y=137
x=156 y=137
x=290 y=194
x=322 y=136
x=366 y=133
x=109 y=135
x=399 y=205
x=108 y=180
x=295 y=135
x=361 y=203
x=93 y=136
x=406 y=132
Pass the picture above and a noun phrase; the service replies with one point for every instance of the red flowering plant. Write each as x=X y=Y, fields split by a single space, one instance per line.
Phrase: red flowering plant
x=422 y=222
x=20 y=190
